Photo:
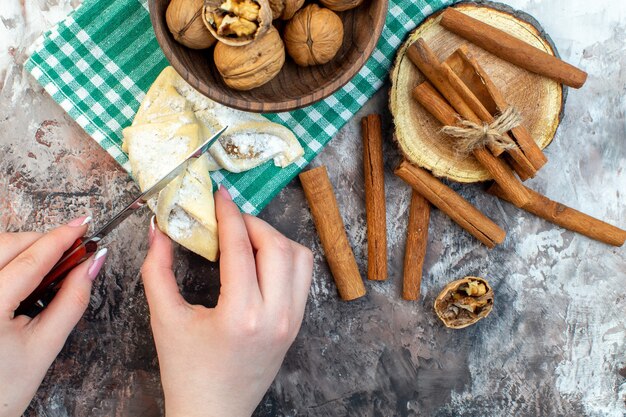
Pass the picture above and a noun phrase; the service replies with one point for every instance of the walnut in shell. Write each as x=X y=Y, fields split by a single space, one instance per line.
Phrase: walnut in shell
x=277 y=7
x=341 y=5
x=252 y=65
x=463 y=302
x=313 y=36
x=184 y=20
x=290 y=9
x=237 y=22
x=285 y=9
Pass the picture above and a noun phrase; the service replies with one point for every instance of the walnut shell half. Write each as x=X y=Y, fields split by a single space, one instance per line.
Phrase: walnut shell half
x=463 y=302
x=313 y=36
x=184 y=20
x=252 y=65
x=341 y=5
x=237 y=22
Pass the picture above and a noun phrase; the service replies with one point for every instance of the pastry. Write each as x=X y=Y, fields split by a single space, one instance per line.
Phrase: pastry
x=185 y=209
x=173 y=120
x=170 y=95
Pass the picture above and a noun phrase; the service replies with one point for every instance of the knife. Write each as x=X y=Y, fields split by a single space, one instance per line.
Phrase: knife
x=84 y=247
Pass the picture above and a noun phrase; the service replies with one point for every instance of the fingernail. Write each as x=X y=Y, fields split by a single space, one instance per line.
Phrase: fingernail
x=152 y=229
x=224 y=192
x=96 y=264
x=80 y=221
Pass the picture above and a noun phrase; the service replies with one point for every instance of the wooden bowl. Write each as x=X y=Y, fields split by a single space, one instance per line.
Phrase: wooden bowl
x=294 y=87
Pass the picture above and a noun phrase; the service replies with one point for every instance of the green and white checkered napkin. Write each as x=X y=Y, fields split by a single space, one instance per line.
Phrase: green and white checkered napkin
x=101 y=60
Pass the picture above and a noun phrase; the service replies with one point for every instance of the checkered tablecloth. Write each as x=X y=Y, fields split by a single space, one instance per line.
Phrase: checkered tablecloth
x=101 y=60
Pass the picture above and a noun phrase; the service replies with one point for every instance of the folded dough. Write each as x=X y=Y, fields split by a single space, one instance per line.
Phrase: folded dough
x=170 y=94
x=250 y=144
x=174 y=119
x=185 y=209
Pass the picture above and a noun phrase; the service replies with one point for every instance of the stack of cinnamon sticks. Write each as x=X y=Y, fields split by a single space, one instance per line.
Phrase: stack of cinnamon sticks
x=458 y=92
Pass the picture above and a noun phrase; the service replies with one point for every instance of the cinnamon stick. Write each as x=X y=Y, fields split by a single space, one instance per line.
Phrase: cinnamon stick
x=375 y=210
x=512 y=49
x=567 y=218
x=521 y=165
x=427 y=62
x=325 y=212
x=502 y=174
x=436 y=105
x=446 y=200
x=416 y=241
x=480 y=83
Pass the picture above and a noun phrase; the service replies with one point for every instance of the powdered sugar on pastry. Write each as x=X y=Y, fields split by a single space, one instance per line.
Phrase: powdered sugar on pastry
x=263 y=140
x=180 y=224
x=173 y=120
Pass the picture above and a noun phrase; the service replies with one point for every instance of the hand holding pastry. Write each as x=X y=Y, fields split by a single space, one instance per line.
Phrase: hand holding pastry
x=220 y=361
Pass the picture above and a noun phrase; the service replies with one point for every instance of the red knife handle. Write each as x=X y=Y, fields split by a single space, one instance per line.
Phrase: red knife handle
x=45 y=291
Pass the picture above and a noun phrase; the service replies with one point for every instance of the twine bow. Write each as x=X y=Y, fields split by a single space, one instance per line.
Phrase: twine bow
x=474 y=136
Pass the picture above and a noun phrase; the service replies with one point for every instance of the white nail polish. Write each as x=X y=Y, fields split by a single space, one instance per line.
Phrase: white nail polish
x=100 y=254
x=87 y=220
x=96 y=264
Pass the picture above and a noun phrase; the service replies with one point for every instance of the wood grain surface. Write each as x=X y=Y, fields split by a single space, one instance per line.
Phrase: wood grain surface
x=513 y=50
x=539 y=99
x=294 y=87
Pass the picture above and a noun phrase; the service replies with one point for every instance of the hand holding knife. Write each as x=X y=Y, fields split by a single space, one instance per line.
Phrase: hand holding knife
x=84 y=247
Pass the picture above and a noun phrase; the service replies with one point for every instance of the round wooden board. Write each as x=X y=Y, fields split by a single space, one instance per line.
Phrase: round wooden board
x=539 y=99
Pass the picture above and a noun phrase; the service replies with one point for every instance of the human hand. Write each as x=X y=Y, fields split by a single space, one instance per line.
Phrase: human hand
x=28 y=346
x=220 y=361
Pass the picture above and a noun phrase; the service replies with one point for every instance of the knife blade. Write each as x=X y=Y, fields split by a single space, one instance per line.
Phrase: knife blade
x=84 y=247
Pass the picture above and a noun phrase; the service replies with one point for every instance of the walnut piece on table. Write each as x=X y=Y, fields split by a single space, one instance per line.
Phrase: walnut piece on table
x=463 y=302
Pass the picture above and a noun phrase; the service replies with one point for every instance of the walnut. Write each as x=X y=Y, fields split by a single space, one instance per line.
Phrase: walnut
x=184 y=20
x=290 y=9
x=234 y=151
x=285 y=9
x=237 y=22
x=277 y=7
x=313 y=36
x=463 y=302
x=252 y=65
x=341 y=5
x=246 y=10
x=235 y=26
